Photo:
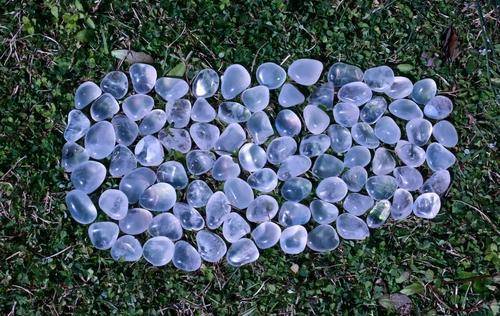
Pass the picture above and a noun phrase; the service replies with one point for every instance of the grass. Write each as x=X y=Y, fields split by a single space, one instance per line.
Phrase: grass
x=445 y=266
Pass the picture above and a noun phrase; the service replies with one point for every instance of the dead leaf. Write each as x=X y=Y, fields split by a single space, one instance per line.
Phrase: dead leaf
x=450 y=44
x=131 y=56
x=295 y=268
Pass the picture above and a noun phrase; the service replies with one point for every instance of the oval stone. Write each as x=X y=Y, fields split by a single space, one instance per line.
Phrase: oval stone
x=373 y=110
x=234 y=81
x=86 y=93
x=100 y=140
x=340 y=138
x=424 y=90
x=280 y=148
x=252 y=157
x=327 y=166
x=316 y=119
x=363 y=134
x=357 y=204
x=438 y=157
x=296 y=189
x=158 y=251
x=379 y=79
x=270 y=75
x=189 y=217
x=137 y=106
x=238 y=192
x=438 y=182
x=103 y=235
x=256 y=98
x=293 y=213
x=88 y=176
x=115 y=83
x=345 y=114
x=379 y=214
x=305 y=71
x=167 y=225
x=143 y=77
x=80 y=207
x=263 y=208
x=217 y=208
x=178 y=112
x=234 y=227
x=159 y=197
x=331 y=189
x=266 y=235
x=445 y=133
x=104 y=107
x=408 y=178
x=77 y=127
x=242 y=252
x=341 y=73
x=205 y=84
x=293 y=240
x=260 y=127
x=171 y=89
x=352 y=227
x=427 y=205
x=202 y=111
x=355 y=178
x=136 y=221
x=210 y=246
x=122 y=161
x=357 y=93
x=153 y=122
x=323 y=212
x=287 y=123
x=126 y=130
x=73 y=155
x=149 y=151
x=135 y=182
x=293 y=166
x=323 y=238
x=314 y=145
x=387 y=130
x=263 y=180
x=381 y=187
x=199 y=161
x=290 y=96
x=114 y=203
x=405 y=109
x=186 y=258
x=126 y=248
x=402 y=203
x=177 y=139
x=357 y=156
x=400 y=88
x=197 y=194
x=230 y=140
x=225 y=168
x=383 y=162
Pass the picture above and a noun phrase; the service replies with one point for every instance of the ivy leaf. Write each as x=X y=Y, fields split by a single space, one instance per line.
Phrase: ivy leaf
x=131 y=56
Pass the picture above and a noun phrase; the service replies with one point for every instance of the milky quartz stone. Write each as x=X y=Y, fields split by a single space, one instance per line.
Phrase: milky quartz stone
x=103 y=235
x=225 y=168
x=352 y=227
x=137 y=106
x=410 y=154
x=153 y=122
x=305 y=71
x=379 y=79
x=77 y=127
x=381 y=187
x=115 y=83
x=293 y=213
x=149 y=151
x=438 y=157
x=242 y=252
x=178 y=113
x=270 y=75
x=316 y=119
x=424 y=90
x=293 y=239
x=326 y=166
x=260 y=127
x=345 y=114
x=136 y=221
x=314 y=145
x=205 y=84
x=355 y=178
x=357 y=93
x=231 y=139
x=256 y=98
x=373 y=110
x=210 y=246
x=234 y=81
x=88 y=176
x=405 y=109
x=252 y=157
x=357 y=204
x=290 y=96
x=143 y=77
x=363 y=134
x=340 y=138
x=159 y=197
x=202 y=111
x=379 y=214
x=126 y=248
x=418 y=131
x=81 y=207
x=280 y=148
x=173 y=173
x=177 y=139
x=331 y=189
x=323 y=212
x=73 y=155
x=234 y=227
x=158 y=251
x=114 y=203
x=438 y=108
x=266 y=235
x=263 y=180
x=408 y=178
x=357 y=156
x=293 y=166
x=287 y=123
x=263 y=208
x=323 y=238
x=216 y=210
x=100 y=140
x=238 y=192
x=322 y=95
x=402 y=203
x=341 y=73
x=104 y=107
x=383 y=162
x=296 y=189
x=186 y=258
x=445 y=133
x=427 y=205
x=86 y=93
x=387 y=130
x=166 y=225
x=171 y=89
x=233 y=112
x=198 y=192
x=189 y=217
x=135 y=182
x=126 y=130
x=400 y=88
x=438 y=182
x=204 y=135
x=199 y=161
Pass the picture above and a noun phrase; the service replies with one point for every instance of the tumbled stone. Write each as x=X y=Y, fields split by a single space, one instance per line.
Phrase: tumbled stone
x=316 y=119
x=383 y=162
x=387 y=130
x=126 y=130
x=357 y=93
x=234 y=227
x=231 y=139
x=340 y=138
x=287 y=123
x=122 y=161
x=280 y=148
x=381 y=187
x=263 y=180
x=355 y=178
x=400 y=88
x=445 y=133
x=216 y=210
x=327 y=166
x=242 y=252
x=86 y=93
x=103 y=235
x=341 y=73
x=115 y=83
x=104 y=107
x=402 y=203
x=290 y=96
x=202 y=111
x=357 y=204
x=173 y=173
x=256 y=98
x=80 y=207
x=296 y=189
x=114 y=203
x=88 y=176
x=345 y=114
x=210 y=246
x=186 y=258
x=205 y=84
x=322 y=95
x=323 y=238
x=260 y=127
x=293 y=166
x=263 y=208
x=305 y=71
x=238 y=192
x=438 y=157
x=373 y=110
x=352 y=227
x=198 y=192
x=171 y=89
x=137 y=106
x=77 y=127
x=199 y=161
x=177 y=139
x=73 y=155
x=357 y=156
x=100 y=140
x=126 y=248
x=149 y=151
x=153 y=122
x=204 y=135
x=178 y=113
x=270 y=75
x=293 y=239
x=143 y=77
x=379 y=79
x=167 y=225
x=410 y=154
x=225 y=168
x=408 y=178
x=438 y=182
x=405 y=109
x=363 y=134
x=332 y=189
x=252 y=157
x=234 y=81
x=424 y=90
x=159 y=197
x=136 y=221
x=314 y=145
x=418 y=131
x=233 y=112
x=189 y=218
x=158 y=251
x=379 y=214
x=323 y=212
x=135 y=182
x=266 y=235
x=293 y=213
x=438 y=108
x=427 y=205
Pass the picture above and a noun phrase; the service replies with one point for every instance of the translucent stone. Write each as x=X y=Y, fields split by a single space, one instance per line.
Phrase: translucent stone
x=242 y=252
x=217 y=209
x=314 y=145
x=115 y=83
x=381 y=187
x=143 y=77
x=88 y=176
x=410 y=154
x=418 y=131
x=438 y=157
x=260 y=127
x=402 y=203
x=126 y=130
x=423 y=91
x=171 y=89
x=405 y=109
x=345 y=114
x=357 y=156
x=327 y=166
x=355 y=178
x=173 y=173
x=231 y=139
x=210 y=246
x=238 y=192
x=158 y=251
x=305 y=71
x=266 y=235
x=80 y=207
x=77 y=127
x=177 y=139
x=199 y=161
x=122 y=161
x=293 y=240
x=225 y=168
x=234 y=227
x=103 y=235
x=153 y=122
x=323 y=238
x=204 y=135
x=86 y=93
x=357 y=204
x=387 y=130
x=341 y=73
x=114 y=203
x=427 y=205
x=167 y=225
x=357 y=93
x=136 y=221
x=383 y=162
x=400 y=88
x=126 y=248
x=186 y=258
x=205 y=84
x=379 y=79
x=73 y=155
x=363 y=134
x=316 y=119
x=135 y=182
x=104 y=107
x=294 y=166
x=178 y=113
x=100 y=140
x=280 y=148
x=198 y=192
x=323 y=212
x=296 y=189
x=445 y=133
x=290 y=96
x=373 y=110
x=438 y=108
x=438 y=182
x=159 y=197
x=287 y=123
x=233 y=112
x=352 y=227
x=256 y=98
x=263 y=180
x=263 y=208
x=408 y=178
x=332 y=189
x=322 y=95
x=202 y=111
x=293 y=213
x=379 y=214
x=234 y=81
x=252 y=157
x=340 y=138
x=270 y=75
x=137 y=106
x=189 y=218
x=149 y=151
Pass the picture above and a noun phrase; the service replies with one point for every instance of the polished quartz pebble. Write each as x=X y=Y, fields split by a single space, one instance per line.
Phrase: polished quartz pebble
x=322 y=95
x=137 y=106
x=153 y=122
x=199 y=161
x=122 y=161
x=167 y=225
x=305 y=71
x=438 y=108
x=73 y=155
x=210 y=246
x=159 y=197
x=104 y=107
x=86 y=93
x=341 y=73
x=438 y=157
x=314 y=145
x=256 y=98
x=387 y=130
x=290 y=96
x=355 y=178
x=400 y=88
x=177 y=139
x=143 y=77
x=149 y=151
x=405 y=109
x=135 y=182
x=114 y=203
x=379 y=79
x=216 y=210
x=178 y=113
x=293 y=213
x=408 y=178
x=402 y=203
x=238 y=192
x=438 y=182
x=204 y=135
x=173 y=173
x=158 y=251
x=418 y=131
x=198 y=192
x=316 y=119
x=259 y=127
x=189 y=217
x=340 y=138
x=233 y=112
x=323 y=212
x=136 y=221
x=231 y=139
x=332 y=189
x=411 y=155
x=327 y=166
x=171 y=89
x=363 y=134
x=234 y=81
x=242 y=252
x=427 y=205
x=205 y=84
x=100 y=140
x=293 y=166
x=252 y=157
x=270 y=75
x=103 y=235
x=234 y=227
x=115 y=83
x=202 y=111
x=323 y=238
x=126 y=130
x=424 y=90
x=280 y=148
x=445 y=133
x=263 y=208
x=351 y=227
x=266 y=235
x=126 y=248
x=293 y=239
x=357 y=156
x=296 y=189
x=357 y=93
x=345 y=114
x=379 y=214
x=77 y=127
x=373 y=110
x=383 y=162
x=186 y=257
x=225 y=168
x=263 y=180
x=381 y=187
x=287 y=123
x=80 y=207
x=88 y=176
x=357 y=204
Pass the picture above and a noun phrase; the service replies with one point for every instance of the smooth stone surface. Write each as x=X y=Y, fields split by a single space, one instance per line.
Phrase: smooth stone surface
x=373 y=110
x=383 y=162
x=357 y=204
x=424 y=90
x=159 y=197
x=296 y=189
x=242 y=252
x=100 y=140
x=216 y=210
x=355 y=178
x=351 y=227
x=171 y=89
x=122 y=161
x=327 y=166
x=234 y=81
x=445 y=133
x=104 y=107
x=357 y=156
x=438 y=182
x=136 y=221
x=322 y=95
x=379 y=79
x=135 y=182
x=234 y=227
x=314 y=145
x=103 y=235
x=225 y=168
x=363 y=134
x=233 y=112
x=177 y=139
x=263 y=180
x=331 y=189
x=198 y=192
x=357 y=93
x=408 y=178
x=158 y=251
x=199 y=161
x=153 y=122
x=252 y=157
x=73 y=155
x=167 y=225
x=280 y=148
x=287 y=123
x=381 y=187
x=387 y=130
x=266 y=235
x=341 y=73
x=410 y=154
x=293 y=166
x=305 y=71
x=143 y=77
x=260 y=128
x=126 y=248
x=270 y=75
x=126 y=130
x=293 y=213
x=438 y=108
x=189 y=218
x=88 y=176
x=149 y=151
x=345 y=114
x=316 y=119
x=400 y=88
x=405 y=109
x=186 y=257
x=115 y=83
x=427 y=205
x=178 y=113
x=323 y=212
x=418 y=131
x=86 y=93
x=256 y=98
x=173 y=173
x=290 y=96
x=231 y=139
x=114 y=203
x=438 y=157
x=238 y=192
x=210 y=246
x=323 y=238
x=202 y=111
x=293 y=239
x=402 y=203
x=263 y=208
x=340 y=138
x=80 y=207
x=379 y=214
x=204 y=135
x=137 y=106
x=77 y=126
x=205 y=84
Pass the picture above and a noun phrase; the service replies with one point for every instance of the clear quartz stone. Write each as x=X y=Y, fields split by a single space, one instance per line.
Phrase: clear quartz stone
x=438 y=182
x=290 y=96
x=357 y=93
x=204 y=135
x=199 y=161
x=405 y=109
x=167 y=225
x=252 y=157
x=88 y=176
x=293 y=239
x=280 y=148
x=357 y=156
x=73 y=155
x=294 y=166
x=231 y=139
x=104 y=107
x=178 y=113
x=266 y=235
x=427 y=205
x=198 y=192
x=355 y=178
x=177 y=139
x=352 y=227
x=270 y=75
x=264 y=180
x=149 y=151
x=340 y=138
x=238 y=192
x=363 y=134
x=159 y=197
x=445 y=133
x=305 y=71
x=400 y=88
x=86 y=93
x=137 y=106
x=323 y=238
x=424 y=90
x=381 y=187
x=322 y=95
x=234 y=227
x=296 y=189
x=418 y=131
x=341 y=73
x=225 y=168
x=171 y=89
x=100 y=140
x=153 y=122
x=387 y=130
x=316 y=119
x=345 y=114
x=173 y=173
x=379 y=214
x=260 y=127
x=242 y=252
x=189 y=217
x=287 y=123
x=103 y=235
x=135 y=182
x=357 y=204
x=402 y=203
x=314 y=145
x=293 y=213
x=126 y=130
x=136 y=221
x=158 y=251
x=234 y=81
x=410 y=154
x=233 y=112
x=126 y=248
x=373 y=110
x=327 y=166
x=202 y=111
x=438 y=108
x=143 y=77
x=115 y=83
x=217 y=208
x=205 y=84
x=323 y=212
x=332 y=189
x=210 y=246
x=438 y=157
x=80 y=207
x=379 y=79
x=383 y=162
x=114 y=203
x=256 y=98
x=186 y=257
x=77 y=127
x=408 y=178
x=263 y=208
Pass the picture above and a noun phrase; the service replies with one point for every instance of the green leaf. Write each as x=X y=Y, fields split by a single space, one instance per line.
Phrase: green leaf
x=131 y=56
x=84 y=35
x=414 y=288
x=405 y=68
x=54 y=10
x=178 y=71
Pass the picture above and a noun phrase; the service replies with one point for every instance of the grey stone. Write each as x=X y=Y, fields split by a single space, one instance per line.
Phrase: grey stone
x=355 y=178
x=296 y=189
x=327 y=166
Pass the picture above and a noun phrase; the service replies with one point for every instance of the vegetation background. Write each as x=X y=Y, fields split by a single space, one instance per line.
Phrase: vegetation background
x=445 y=266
